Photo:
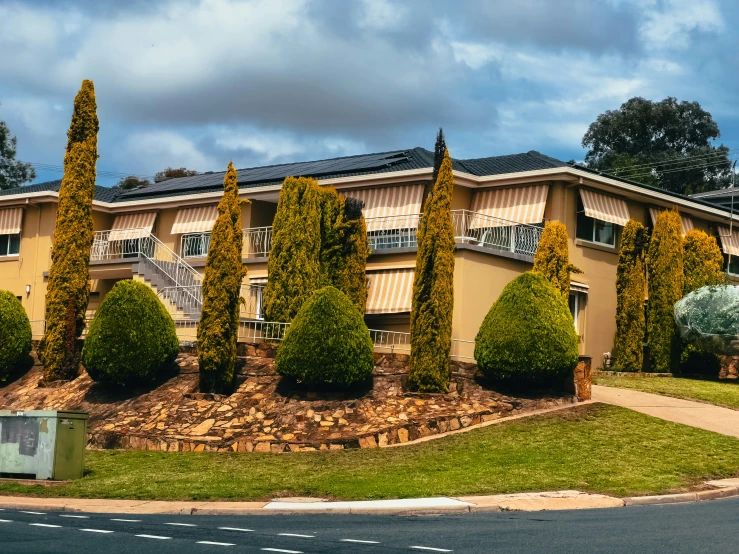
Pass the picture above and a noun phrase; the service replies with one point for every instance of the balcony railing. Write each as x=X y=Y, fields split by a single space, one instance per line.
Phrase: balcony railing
x=494 y=233
x=257 y=242
x=177 y=300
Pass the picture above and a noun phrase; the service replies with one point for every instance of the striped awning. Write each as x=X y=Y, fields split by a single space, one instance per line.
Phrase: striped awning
x=686 y=222
x=10 y=221
x=729 y=240
x=503 y=207
x=195 y=220
x=604 y=208
x=390 y=207
x=132 y=226
x=390 y=291
x=257 y=280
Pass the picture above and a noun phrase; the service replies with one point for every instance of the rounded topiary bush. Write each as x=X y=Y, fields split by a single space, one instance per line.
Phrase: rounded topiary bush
x=131 y=338
x=528 y=337
x=327 y=343
x=15 y=333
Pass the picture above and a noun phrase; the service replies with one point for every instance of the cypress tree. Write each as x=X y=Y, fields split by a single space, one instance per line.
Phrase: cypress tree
x=68 y=290
x=294 y=269
x=218 y=328
x=552 y=257
x=630 y=289
x=702 y=266
x=433 y=288
x=344 y=246
x=665 y=270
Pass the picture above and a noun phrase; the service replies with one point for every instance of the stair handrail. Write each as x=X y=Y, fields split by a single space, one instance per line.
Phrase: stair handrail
x=183 y=275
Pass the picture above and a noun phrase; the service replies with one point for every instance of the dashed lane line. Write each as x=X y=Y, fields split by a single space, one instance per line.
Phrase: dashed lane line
x=298 y=535
x=281 y=550
x=6 y=521
x=45 y=525
x=158 y=537
x=34 y=513
x=359 y=541
x=96 y=530
x=182 y=524
x=216 y=543
x=430 y=548
x=75 y=517
x=239 y=529
x=126 y=520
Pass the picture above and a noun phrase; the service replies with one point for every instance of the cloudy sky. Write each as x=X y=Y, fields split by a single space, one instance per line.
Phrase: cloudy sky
x=197 y=83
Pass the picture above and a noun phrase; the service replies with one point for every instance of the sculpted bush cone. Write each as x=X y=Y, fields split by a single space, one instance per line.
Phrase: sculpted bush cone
x=132 y=337
x=15 y=333
x=703 y=266
x=327 y=343
x=218 y=328
x=433 y=289
x=294 y=271
x=527 y=337
x=630 y=290
x=552 y=257
x=344 y=246
x=665 y=268
x=68 y=290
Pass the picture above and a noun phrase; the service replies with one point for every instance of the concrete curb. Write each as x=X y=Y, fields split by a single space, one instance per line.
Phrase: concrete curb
x=525 y=502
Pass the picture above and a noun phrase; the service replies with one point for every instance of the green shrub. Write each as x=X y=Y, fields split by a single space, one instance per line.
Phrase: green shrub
x=15 y=333
x=528 y=336
x=131 y=338
x=327 y=343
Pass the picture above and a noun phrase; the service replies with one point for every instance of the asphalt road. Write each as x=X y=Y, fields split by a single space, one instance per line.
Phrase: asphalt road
x=690 y=528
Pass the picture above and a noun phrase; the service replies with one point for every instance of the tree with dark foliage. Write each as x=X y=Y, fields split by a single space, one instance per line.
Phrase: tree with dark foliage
x=131 y=182
x=173 y=173
x=13 y=173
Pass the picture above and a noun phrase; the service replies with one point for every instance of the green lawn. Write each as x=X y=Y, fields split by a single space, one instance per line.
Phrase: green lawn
x=723 y=393
x=595 y=448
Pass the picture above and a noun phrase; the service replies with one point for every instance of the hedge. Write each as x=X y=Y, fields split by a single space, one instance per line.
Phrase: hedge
x=327 y=343
x=132 y=337
x=15 y=333
x=528 y=337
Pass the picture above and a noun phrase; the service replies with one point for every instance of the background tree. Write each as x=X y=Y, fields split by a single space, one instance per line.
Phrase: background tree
x=344 y=246
x=68 y=290
x=702 y=266
x=630 y=289
x=552 y=257
x=131 y=182
x=13 y=173
x=173 y=173
x=665 y=270
x=294 y=269
x=433 y=288
x=218 y=328
x=667 y=144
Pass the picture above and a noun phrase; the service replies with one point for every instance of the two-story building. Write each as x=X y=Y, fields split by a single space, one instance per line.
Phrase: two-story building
x=161 y=234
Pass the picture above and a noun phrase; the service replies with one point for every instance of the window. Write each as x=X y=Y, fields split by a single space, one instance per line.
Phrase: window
x=10 y=245
x=594 y=230
x=575 y=307
x=732 y=264
x=195 y=245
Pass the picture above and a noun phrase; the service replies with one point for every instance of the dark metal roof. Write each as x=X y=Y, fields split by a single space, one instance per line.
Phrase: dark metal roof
x=103 y=194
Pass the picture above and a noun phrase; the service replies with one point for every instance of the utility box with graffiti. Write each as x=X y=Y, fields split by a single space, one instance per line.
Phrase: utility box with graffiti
x=42 y=444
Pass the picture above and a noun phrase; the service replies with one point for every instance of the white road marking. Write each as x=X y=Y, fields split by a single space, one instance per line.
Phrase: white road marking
x=153 y=537
x=44 y=525
x=182 y=524
x=236 y=529
x=6 y=521
x=34 y=513
x=432 y=549
x=296 y=535
x=76 y=517
x=216 y=543
x=96 y=530
x=127 y=520
x=360 y=542
x=280 y=550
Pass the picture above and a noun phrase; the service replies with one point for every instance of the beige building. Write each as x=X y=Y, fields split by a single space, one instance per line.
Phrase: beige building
x=161 y=234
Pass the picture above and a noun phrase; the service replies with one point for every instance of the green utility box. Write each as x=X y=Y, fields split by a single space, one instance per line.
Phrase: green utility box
x=42 y=444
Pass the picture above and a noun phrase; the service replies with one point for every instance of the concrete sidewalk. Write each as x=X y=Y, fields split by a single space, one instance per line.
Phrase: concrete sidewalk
x=687 y=412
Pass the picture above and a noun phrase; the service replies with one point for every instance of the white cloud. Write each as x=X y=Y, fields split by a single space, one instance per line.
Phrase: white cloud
x=671 y=26
x=382 y=15
x=475 y=55
x=152 y=151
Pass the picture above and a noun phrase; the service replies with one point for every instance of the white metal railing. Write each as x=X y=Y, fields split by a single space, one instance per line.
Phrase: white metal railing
x=195 y=245
x=495 y=233
x=393 y=231
x=177 y=301
x=112 y=245
x=257 y=242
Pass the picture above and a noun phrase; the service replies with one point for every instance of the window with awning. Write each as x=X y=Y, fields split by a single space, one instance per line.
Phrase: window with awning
x=729 y=240
x=132 y=226
x=508 y=206
x=686 y=222
x=390 y=291
x=195 y=220
x=10 y=221
x=604 y=208
x=389 y=207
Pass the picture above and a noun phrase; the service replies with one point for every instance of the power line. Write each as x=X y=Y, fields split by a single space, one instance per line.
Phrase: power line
x=101 y=172
x=653 y=165
x=678 y=169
